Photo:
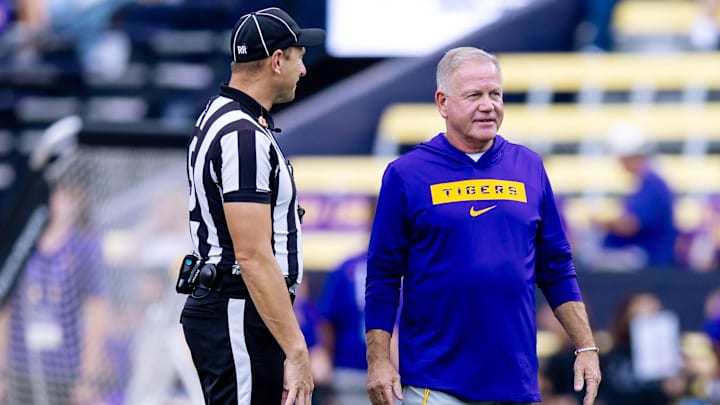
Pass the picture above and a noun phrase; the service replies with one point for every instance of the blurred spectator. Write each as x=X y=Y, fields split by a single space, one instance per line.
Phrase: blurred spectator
x=623 y=383
x=86 y=24
x=158 y=361
x=4 y=15
x=52 y=342
x=342 y=331
x=342 y=306
x=556 y=370
x=644 y=234
x=308 y=317
x=699 y=250
x=594 y=33
x=704 y=34
x=712 y=329
x=706 y=382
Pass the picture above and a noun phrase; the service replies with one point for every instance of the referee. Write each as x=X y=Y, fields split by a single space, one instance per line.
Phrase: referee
x=245 y=225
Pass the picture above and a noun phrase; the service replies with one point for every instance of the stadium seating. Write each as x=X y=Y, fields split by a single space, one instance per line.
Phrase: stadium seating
x=558 y=98
x=579 y=174
x=339 y=174
x=406 y=124
x=643 y=17
x=571 y=72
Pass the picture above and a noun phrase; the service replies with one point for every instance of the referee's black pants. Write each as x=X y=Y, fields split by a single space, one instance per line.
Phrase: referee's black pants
x=238 y=360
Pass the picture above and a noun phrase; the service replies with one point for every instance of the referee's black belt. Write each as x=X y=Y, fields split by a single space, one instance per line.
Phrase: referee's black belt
x=225 y=284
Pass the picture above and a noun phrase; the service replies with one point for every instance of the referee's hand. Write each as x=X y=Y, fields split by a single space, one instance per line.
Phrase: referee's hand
x=298 y=382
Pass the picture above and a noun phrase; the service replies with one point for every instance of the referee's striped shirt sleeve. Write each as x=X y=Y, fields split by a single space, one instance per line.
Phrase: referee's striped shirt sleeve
x=245 y=166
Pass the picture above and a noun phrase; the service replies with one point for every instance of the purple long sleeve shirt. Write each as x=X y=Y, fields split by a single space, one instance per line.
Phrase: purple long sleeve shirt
x=469 y=240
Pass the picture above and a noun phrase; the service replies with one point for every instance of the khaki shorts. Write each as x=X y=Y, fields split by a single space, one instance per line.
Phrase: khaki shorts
x=423 y=396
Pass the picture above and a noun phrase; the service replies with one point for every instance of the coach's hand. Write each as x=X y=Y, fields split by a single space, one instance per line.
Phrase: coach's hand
x=383 y=383
x=298 y=382
x=587 y=374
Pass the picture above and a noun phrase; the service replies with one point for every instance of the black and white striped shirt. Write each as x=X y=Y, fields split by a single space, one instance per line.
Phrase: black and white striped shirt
x=232 y=158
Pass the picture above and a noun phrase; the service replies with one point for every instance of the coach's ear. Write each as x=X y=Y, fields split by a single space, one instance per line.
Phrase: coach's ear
x=440 y=101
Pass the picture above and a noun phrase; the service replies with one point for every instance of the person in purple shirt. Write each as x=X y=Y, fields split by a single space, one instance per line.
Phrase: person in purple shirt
x=53 y=323
x=342 y=329
x=467 y=224
x=711 y=382
x=644 y=234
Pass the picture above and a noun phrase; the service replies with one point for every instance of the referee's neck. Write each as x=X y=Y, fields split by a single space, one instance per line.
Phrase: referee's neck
x=255 y=86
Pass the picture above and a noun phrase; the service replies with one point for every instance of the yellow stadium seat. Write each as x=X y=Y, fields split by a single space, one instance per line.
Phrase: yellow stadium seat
x=573 y=174
x=411 y=123
x=325 y=250
x=580 y=210
x=642 y=17
x=339 y=174
x=571 y=72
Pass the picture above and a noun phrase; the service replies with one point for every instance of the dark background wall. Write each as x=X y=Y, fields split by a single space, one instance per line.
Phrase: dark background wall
x=679 y=291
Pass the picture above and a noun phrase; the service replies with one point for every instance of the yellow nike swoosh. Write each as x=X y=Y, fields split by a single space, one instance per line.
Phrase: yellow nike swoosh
x=474 y=213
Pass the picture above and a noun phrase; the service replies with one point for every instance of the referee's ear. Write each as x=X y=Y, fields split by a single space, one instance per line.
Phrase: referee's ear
x=275 y=60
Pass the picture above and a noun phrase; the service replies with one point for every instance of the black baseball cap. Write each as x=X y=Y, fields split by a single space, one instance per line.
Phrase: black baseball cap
x=258 y=34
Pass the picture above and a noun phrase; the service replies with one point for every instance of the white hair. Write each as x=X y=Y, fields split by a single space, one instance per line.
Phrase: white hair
x=454 y=58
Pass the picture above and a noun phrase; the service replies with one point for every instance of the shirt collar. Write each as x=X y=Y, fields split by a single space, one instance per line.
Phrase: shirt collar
x=261 y=115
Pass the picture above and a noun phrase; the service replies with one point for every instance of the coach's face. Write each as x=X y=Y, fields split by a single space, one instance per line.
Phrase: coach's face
x=291 y=69
x=473 y=108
